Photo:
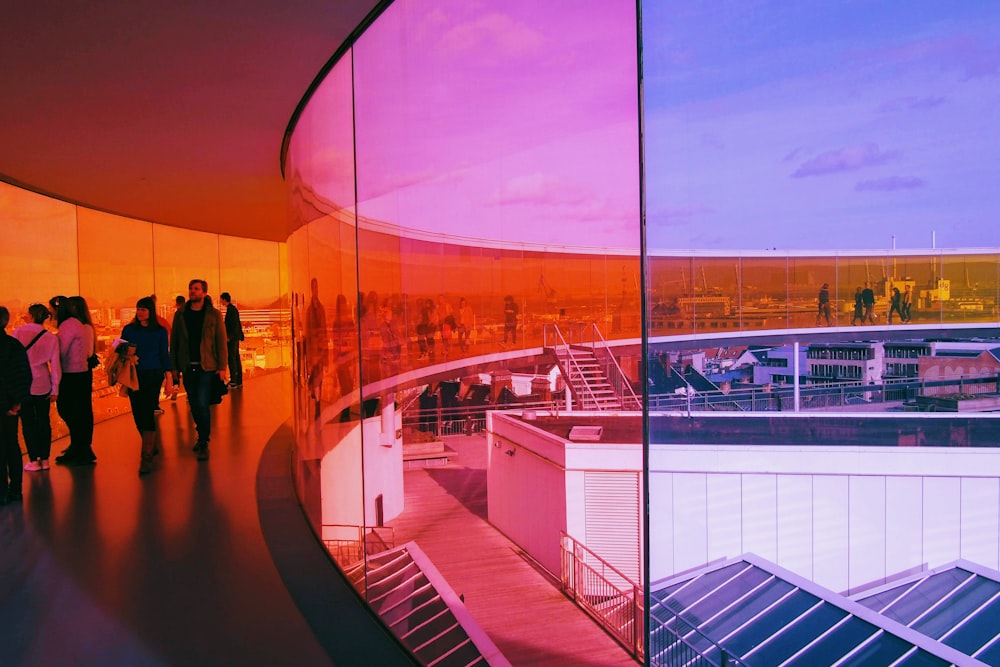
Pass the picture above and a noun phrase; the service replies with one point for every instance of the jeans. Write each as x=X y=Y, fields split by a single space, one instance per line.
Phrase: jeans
x=37 y=427
x=10 y=456
x=143 y=402
x=198 y=384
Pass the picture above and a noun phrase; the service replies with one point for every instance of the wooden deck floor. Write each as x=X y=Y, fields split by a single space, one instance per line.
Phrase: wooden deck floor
x=518 y=605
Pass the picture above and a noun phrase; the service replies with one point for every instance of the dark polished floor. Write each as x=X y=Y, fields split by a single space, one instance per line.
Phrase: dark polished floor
x=102 y=567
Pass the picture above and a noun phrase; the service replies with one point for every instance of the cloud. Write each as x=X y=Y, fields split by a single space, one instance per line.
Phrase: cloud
x=540 y=189
x=849 y=158
x=971 y=56
x=891 y=183
x=910 y=104
x=492 y=31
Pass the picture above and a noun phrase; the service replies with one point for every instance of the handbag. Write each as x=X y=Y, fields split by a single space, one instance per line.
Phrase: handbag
x=218 y=390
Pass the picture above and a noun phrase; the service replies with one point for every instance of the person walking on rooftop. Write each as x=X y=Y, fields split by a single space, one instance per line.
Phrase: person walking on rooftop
x=151 y=349
x=234 y=334
x=510 y=313
x=15 y=388
x=75 y=403
x=868 y=300
x=46 y=372
x=824 y=304
x=896 y=305
x=198 y=353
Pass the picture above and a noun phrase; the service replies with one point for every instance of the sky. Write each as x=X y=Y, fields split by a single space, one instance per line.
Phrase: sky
x=513 y=121
x=849 y=125
x=821 y=125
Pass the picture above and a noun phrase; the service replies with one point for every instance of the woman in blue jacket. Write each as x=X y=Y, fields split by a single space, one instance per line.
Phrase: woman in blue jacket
x=153 y=366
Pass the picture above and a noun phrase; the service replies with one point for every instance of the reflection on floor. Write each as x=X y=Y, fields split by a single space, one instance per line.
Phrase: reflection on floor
x=519 y=606
x=102 y=567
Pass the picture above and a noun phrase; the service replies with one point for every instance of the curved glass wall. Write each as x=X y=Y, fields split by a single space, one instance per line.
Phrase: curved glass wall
x=112 y=261
x=459 y=155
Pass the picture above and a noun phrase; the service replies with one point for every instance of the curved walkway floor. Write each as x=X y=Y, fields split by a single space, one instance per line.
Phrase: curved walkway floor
x=102 y=567
x=518 y=605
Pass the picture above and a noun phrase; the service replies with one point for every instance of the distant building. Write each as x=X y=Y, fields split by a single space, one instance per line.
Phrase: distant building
x=776 y=366
x=958 y=365
x=901 y=359
x=846 y=363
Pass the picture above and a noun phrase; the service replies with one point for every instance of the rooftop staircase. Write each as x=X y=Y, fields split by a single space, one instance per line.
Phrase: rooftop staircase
x=594 y=378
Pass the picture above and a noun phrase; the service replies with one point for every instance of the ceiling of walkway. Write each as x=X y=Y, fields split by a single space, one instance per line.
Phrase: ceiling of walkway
x=171 y=112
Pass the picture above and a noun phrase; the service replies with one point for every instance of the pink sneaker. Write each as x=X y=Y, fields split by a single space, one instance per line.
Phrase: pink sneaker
x=45 y=464
x=33 y=466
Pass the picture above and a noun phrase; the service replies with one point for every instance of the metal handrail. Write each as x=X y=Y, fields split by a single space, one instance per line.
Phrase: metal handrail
x=348 y=551
x=612 y=368
x=596 y=593
x=569 y=356
x=832 y=394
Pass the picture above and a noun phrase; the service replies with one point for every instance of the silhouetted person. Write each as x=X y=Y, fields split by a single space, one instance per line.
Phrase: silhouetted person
x=46 y=372
x=198 y=353
x=823 y=310
x=234 y=335
x=859 y=307
x=896 y=305
x=907 y=303
x=868 y=300
x=15 y=390
x=466 y=321
x=446 y=316
x=510 y=313
x=317 y=344
x=345 y=345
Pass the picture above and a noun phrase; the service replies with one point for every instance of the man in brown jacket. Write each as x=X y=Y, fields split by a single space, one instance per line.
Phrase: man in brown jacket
x=198 y=352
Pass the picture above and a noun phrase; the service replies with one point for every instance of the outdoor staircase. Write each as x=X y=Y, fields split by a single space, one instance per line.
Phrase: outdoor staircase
x=587 y=381
x=592 y=374
x=411 y=597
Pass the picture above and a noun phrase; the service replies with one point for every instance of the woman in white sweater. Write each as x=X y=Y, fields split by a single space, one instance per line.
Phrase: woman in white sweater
x=75 y=406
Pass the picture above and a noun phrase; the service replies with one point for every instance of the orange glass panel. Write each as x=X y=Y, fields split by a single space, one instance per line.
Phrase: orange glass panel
x=181 y=255
x=765 y=302
x=807 y=277
x=968 y=288
x=116 y=269
x=249 y=271
x=40 y=257
x=671 y=295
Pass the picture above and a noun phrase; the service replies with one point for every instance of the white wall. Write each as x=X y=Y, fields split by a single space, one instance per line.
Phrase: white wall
x=342 y=474
x=843 y=517
x=526 y=490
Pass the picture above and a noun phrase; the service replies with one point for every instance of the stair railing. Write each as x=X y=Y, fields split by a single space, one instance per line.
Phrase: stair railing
x=613 y=371
x=564 y=355
x=601 y=590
